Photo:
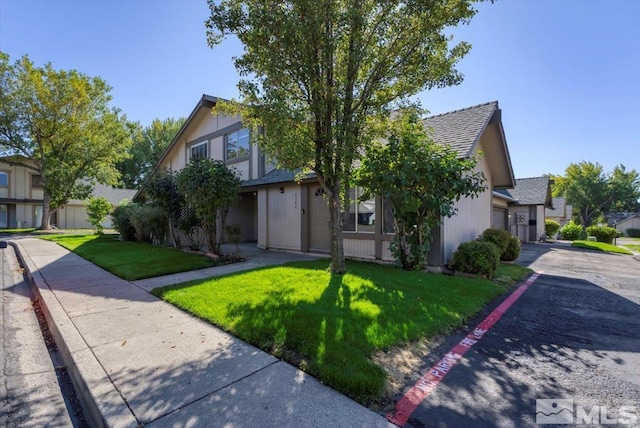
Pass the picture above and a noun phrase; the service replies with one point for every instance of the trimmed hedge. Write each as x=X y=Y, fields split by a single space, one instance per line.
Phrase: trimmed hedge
x=513 y=250
x=602 y=234
x=551 y=228
x=633 y=233
x=571 y=231
x=477 y=257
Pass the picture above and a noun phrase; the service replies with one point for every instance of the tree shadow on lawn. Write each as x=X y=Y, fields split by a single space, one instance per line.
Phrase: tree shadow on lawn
x=334 y=337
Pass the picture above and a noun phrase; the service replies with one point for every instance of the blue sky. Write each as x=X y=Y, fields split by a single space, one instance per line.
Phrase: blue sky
x=566 y=73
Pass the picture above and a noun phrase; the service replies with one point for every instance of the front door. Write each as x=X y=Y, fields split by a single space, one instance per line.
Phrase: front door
x=533 y=224
x=319 y=230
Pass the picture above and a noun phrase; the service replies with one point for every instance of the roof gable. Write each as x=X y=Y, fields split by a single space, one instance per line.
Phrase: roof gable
x=461 y=129
x=531 y=191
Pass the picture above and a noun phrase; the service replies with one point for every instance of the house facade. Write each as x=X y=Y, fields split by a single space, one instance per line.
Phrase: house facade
x=278 y=212
x=561 y=211
x=526 y=203
x=631 y=222
x=21 y=199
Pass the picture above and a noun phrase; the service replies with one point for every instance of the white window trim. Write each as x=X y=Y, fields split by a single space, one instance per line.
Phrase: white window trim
x=194 y=146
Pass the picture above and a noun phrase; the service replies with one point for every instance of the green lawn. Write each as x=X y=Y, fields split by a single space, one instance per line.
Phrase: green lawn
x=600 y=246
x=12 y=231
x=330 y=325
x=130 y=260
x=633 y=247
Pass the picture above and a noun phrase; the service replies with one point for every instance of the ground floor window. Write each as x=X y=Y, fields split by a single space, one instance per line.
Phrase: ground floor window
x=362 y=212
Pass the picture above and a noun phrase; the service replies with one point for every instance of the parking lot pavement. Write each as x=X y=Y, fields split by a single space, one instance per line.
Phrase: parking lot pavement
x=574 y=334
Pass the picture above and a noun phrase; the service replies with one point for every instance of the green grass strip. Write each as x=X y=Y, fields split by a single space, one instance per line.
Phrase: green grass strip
x=130 y=260
x=600 y=246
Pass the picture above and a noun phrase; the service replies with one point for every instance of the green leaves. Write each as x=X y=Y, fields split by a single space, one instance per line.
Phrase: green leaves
x=209 y=187
x=420 y=180
x=97 y=210
x=590 y=190
x=321 y=76
x=61 y=123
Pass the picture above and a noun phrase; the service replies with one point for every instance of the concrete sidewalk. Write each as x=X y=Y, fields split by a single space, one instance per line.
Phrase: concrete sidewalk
x=135 y=359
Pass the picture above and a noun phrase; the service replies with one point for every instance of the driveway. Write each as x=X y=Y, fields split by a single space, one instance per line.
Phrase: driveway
x=574 y=334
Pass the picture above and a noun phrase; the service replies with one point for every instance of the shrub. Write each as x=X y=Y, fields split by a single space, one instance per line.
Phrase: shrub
x=571 y=231
x=633 y=233
x=602 y=234
x=551 y=228
x=234 y=233
x=476 y=257
x=498 y=237
x=98 y=209
x=513 y=250
x=583 y=235
x=122 y=222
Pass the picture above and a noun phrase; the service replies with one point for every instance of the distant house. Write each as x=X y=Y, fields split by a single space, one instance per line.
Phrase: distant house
x=631 y=222
x=21 y=198
x=527 y=202
x=561 y=211
x=277 y=212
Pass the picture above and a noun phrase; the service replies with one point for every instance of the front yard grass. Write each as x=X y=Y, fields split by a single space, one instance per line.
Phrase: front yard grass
x=130 y=260
x=330 y=325
x=600 y=246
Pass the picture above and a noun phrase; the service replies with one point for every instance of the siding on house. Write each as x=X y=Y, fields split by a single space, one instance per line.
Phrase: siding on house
x=630 y=223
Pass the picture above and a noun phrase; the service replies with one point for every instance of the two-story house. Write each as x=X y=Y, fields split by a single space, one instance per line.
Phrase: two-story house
x=21 y=199
x=277 y=212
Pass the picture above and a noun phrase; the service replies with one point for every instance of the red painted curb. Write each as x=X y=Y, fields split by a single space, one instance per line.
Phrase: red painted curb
x=430 y=380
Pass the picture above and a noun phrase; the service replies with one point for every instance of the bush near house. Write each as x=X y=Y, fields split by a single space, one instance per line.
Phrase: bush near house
x=477 y=257
x=633 y=233
x=508 y=245
x=513 y=250
x=571 y=231
x=551 y=228
x=602 y=234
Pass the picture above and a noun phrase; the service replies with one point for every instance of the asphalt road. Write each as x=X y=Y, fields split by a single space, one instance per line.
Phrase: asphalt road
x=33 y=392
x=574 y=334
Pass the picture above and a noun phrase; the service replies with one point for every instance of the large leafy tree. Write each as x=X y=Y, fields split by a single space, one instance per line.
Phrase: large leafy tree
x=318 y=74
x=421 y=181
x=591 y=191
x=209 y=188
x=149 y=143
x=59 y=124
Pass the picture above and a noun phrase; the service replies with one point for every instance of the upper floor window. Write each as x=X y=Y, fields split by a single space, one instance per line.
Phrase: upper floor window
x=238 y=144
x=4 y=179
x=198 y=151
x=36 y=181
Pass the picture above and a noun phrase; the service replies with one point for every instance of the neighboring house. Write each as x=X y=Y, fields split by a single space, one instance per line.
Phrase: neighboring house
x=73 y=215
x=631 y=222
x=277 y=212
x=21 y=197
x=527 y=202
x=561 y=211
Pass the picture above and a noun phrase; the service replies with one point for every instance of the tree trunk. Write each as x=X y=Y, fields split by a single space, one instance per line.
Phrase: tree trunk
x=337 y=248
x=45 y=223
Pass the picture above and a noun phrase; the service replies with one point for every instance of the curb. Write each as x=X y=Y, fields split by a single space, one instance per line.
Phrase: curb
x=102 y=404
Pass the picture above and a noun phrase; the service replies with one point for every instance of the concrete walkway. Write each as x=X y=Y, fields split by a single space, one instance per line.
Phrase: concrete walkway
x=137 y=360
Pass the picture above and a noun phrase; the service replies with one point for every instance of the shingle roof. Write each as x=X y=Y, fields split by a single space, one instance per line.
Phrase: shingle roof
x=531 y=191
x=114 y=196
x=461 y=129
x=558 y=208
